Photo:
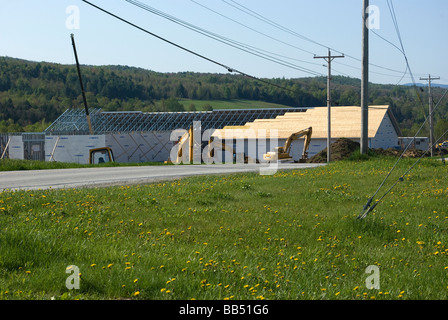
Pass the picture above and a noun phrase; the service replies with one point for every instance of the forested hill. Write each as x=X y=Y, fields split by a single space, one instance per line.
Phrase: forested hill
x=33 y=94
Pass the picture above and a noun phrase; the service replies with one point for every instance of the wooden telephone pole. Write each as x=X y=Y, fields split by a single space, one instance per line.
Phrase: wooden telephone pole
x=431 y=117
x=328 y=58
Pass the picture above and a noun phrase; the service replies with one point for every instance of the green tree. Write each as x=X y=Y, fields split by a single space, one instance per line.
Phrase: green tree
x=207 y=107
x=191 y=107
x=440 y=129
x=171 y=105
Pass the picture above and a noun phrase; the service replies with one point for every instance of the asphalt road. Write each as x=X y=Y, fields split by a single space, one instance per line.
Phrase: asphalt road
x=94 y=177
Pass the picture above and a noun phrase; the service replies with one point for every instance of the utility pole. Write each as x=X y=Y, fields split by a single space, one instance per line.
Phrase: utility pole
x=364 y=139
x=82 y=86
x=431 y=118
x=328 y=58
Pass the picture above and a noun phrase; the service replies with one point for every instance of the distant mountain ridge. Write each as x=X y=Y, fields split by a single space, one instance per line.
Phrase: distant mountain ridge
x=33 y=94
x=433 y=84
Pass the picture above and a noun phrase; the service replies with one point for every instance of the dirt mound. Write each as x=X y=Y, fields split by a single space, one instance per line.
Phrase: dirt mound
x=410 y=153
x=341 y=149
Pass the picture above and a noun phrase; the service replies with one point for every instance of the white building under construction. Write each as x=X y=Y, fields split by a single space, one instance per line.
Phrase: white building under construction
x=383 y=130
x=147 y=137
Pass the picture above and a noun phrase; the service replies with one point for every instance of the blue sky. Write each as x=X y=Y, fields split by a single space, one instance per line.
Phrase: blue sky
x=38 y=31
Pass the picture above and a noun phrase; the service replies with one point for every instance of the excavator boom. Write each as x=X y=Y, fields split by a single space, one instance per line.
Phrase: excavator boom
x=283 y=152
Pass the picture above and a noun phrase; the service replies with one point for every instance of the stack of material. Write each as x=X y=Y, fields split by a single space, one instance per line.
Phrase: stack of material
x=345 y=123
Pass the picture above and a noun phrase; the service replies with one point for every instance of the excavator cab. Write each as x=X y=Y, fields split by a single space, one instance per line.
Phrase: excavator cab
x=101 y=155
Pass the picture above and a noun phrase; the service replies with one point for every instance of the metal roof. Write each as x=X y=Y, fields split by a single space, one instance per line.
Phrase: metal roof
x=73 y=121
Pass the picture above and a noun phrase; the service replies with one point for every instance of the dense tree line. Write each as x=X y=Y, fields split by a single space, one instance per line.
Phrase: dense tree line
x=33 y=94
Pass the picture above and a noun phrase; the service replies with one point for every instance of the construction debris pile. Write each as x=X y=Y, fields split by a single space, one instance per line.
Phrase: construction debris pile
x=343 y=148
x=410 y=153
x=340 y=150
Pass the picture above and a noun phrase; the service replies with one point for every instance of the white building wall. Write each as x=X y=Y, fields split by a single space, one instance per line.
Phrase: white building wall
x=386 y=136
x=127 y=147
x=316 y=146
x=421 y=143
x=140 y=147
x=72 y=149
x=15 y=148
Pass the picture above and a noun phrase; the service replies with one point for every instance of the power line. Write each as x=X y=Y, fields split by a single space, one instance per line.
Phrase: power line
x=394 y=19
x=368 y=207
x=397 y=29
x=274 y=24
x=238 y=45
x=252 y=13
x=188 y=50
x=250 y=28
x=396 y=47
x=258 y=16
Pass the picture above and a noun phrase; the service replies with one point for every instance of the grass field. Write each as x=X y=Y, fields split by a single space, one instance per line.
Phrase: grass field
x=293 y=235
x=14 y=165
